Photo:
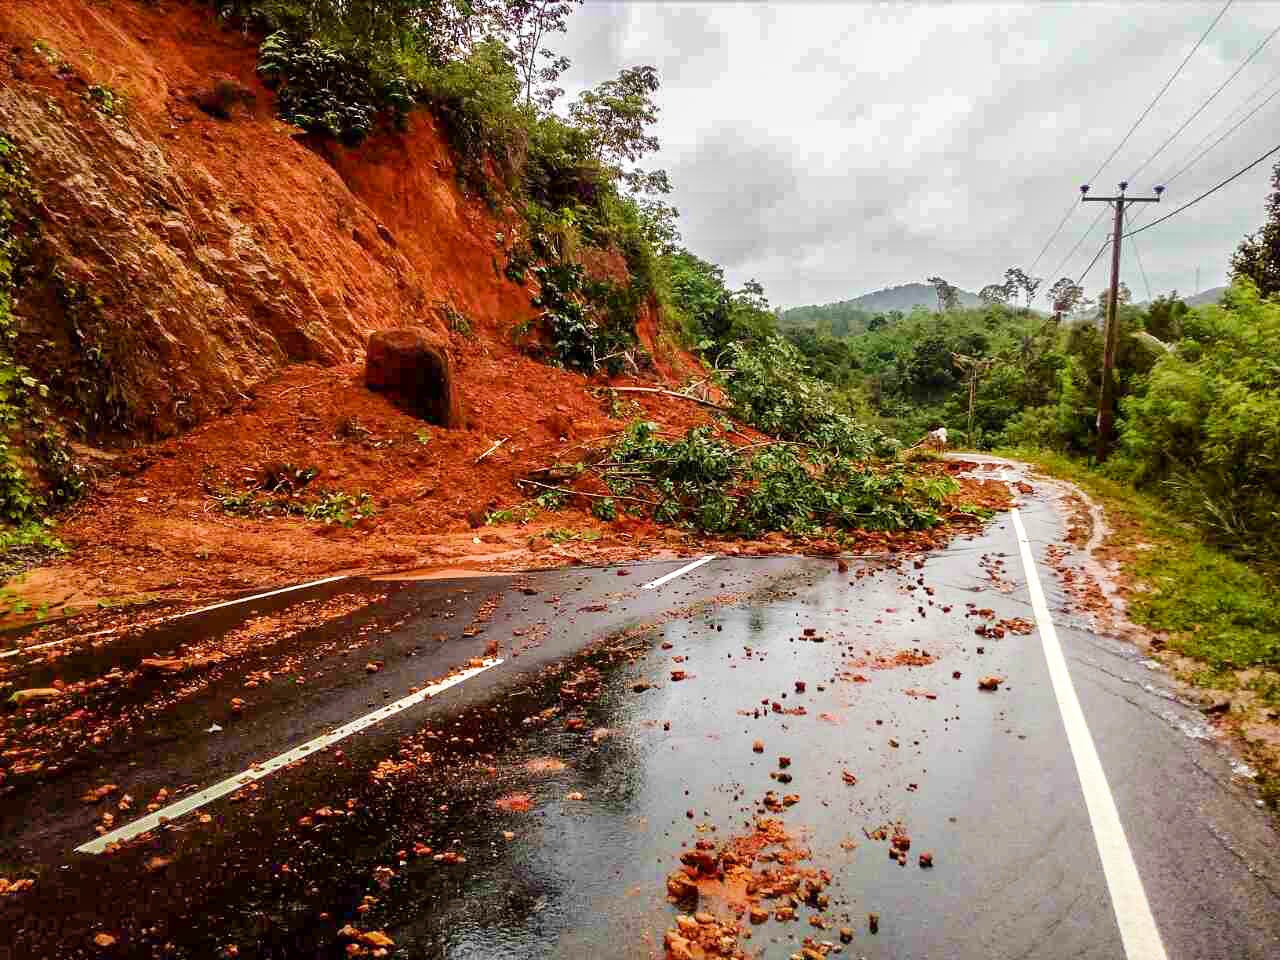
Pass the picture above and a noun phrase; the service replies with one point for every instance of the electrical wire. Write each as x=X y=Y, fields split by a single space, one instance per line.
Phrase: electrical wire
x=1200 y=109
x=1088 y=230
x=1136 y=124
x=1234 y=128
x=1053 y=236
x=1167 y=84
x=1227 y=121
x=1141 y=269
x=1209 y=192
x=1104 y=246
x=1142 y=215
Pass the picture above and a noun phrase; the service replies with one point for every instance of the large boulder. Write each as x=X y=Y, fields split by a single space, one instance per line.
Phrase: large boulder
x=415 y=374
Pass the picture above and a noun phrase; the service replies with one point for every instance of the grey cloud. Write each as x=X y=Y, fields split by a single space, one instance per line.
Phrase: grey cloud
x=830 y=149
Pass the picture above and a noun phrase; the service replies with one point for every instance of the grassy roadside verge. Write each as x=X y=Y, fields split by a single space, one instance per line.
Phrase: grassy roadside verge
x=1219 y=618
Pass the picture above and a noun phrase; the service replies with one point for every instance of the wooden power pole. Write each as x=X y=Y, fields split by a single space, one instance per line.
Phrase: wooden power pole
x=1111 y=334
x=976 y=367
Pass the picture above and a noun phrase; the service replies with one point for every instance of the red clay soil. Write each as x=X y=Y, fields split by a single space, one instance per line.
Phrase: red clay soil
x=155 y=529
x=306 y=248
x=223 y=250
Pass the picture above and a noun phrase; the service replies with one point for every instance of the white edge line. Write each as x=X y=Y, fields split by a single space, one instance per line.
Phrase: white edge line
x=260 y=770
x=654 y=584
x=176 y=616
x=1138 y=932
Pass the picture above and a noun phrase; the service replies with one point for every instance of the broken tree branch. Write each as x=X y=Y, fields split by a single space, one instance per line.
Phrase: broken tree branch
x=496 y=445
x=582 y=493
x=671 y=393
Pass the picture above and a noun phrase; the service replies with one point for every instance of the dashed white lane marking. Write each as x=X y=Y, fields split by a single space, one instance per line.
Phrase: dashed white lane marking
x=176 y=616
x=268 y=767
x=1138 y=931
x=654 y=584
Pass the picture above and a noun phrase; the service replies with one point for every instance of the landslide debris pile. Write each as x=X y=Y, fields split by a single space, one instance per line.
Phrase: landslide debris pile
x=705 y=480
x=758 y=875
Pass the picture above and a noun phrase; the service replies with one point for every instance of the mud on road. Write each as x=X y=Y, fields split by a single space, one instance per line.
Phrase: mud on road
x=761 y=757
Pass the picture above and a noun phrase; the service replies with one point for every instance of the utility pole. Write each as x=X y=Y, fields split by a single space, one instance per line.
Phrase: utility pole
x=977 y=367
x=1111 y=333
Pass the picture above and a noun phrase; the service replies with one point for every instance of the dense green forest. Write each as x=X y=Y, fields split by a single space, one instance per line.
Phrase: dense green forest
x=1198 y=389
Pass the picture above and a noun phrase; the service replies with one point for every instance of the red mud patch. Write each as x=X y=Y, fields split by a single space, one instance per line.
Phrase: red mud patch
x=514 y=803
x=903 y=658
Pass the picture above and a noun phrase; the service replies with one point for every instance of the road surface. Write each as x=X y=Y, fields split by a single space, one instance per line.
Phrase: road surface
x=513 y=766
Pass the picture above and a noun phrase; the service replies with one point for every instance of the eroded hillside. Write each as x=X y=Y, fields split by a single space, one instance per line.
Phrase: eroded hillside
x=195 y=283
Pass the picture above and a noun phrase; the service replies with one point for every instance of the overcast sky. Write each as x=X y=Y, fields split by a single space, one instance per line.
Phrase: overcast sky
x=830 y=149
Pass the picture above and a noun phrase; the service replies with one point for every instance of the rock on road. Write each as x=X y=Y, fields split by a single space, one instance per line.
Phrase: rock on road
x=882 y=761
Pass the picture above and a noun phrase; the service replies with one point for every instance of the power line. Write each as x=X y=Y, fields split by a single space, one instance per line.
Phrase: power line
x=1088 y=230
x=1125 y=140
x=1227 y=120
x=1200 y=109
x=1106 y=243
x=1166 y=86
x=1209 y=192
x=1234 y=128
x=1143 y=270
x=1053 y=236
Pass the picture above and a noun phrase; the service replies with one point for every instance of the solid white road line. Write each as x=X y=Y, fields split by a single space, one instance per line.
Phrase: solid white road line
x=1138 y=932
x=258 y=771
x=176 y=616
x=654 y=584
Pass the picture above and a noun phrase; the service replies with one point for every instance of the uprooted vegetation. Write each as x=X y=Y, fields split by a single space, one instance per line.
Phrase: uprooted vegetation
x=706 y=482
x=811 y=470
x=284 y=490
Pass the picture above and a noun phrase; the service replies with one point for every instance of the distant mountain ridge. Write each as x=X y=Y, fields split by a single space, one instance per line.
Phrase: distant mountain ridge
x=1212 y=295
x=851 y=316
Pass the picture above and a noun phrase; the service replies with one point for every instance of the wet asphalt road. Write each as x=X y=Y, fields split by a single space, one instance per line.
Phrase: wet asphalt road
x=985 y=781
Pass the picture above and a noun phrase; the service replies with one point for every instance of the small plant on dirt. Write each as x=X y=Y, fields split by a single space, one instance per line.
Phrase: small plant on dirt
x=45 y=51
x=284 y=490
x=458 y=321
x=422 y=436
x=605 y=509
x=106 y=100
x=565 y=535
x=620 y=409
x=551 y=499
x=342 y=508
x=521 y=513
